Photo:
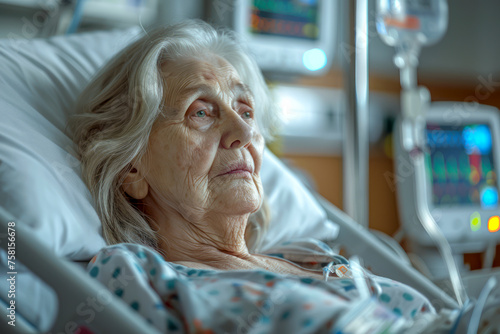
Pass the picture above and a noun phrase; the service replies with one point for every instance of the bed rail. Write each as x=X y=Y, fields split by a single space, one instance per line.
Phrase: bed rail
x=357 y=240
x=72 y=286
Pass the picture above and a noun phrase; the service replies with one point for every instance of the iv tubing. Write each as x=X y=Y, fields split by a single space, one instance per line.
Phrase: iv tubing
x=407 y=65
x=433 y=230
x=481 y=301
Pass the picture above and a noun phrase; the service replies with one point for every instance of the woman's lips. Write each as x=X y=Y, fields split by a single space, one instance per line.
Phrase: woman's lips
x=237 y=171
x=238 y=168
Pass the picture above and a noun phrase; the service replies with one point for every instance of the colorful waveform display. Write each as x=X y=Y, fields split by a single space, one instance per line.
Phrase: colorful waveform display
x=285 y=18
x=460 y=165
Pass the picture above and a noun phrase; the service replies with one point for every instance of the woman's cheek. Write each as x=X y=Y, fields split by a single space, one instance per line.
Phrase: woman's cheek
x=201 y=148
x=204 y=127
x=202 y=124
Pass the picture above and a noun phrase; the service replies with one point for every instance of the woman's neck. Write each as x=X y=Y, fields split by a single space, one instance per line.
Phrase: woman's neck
x=210 y=238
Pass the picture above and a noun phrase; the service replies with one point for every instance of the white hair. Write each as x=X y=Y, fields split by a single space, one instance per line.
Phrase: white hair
x=116 y=111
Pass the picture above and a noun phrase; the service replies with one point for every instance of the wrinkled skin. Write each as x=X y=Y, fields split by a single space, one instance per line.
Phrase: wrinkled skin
x=201 y=212
x=208 y=124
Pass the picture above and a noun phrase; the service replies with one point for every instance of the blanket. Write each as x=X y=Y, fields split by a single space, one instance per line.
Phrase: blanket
x=178 y=299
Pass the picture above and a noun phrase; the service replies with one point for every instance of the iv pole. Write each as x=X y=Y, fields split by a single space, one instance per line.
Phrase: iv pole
x=356 y=139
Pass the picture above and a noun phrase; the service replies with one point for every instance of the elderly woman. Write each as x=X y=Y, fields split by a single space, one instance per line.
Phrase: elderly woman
x=171 y=136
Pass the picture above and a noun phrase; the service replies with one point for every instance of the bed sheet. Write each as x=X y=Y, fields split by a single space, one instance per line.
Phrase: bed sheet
x=35 y=301
x=178 y=299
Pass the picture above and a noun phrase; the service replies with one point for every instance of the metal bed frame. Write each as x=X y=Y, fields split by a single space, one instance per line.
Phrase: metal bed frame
x=74 y=286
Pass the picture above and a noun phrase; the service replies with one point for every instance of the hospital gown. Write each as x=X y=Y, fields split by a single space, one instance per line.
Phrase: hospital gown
x=178 y=299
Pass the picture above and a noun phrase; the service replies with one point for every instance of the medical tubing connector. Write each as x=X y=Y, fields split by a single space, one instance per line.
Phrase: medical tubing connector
x=367 y=315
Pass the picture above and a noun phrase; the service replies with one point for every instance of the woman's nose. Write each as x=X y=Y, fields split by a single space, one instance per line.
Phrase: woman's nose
x=237 y=132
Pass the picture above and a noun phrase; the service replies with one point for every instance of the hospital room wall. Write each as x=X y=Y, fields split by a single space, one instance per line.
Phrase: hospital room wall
x=326 y=171
x=462 y=67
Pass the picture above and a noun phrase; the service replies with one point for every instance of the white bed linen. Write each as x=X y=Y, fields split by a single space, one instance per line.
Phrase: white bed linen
x=40 y=175
x=39 y=171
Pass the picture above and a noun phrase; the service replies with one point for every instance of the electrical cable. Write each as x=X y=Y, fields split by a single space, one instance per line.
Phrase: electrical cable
x=77 y=16
x=481 y=302
x=489 y=255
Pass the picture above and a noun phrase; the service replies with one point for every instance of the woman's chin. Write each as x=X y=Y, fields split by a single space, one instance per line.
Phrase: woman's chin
x=235 y=203
x=237 y=194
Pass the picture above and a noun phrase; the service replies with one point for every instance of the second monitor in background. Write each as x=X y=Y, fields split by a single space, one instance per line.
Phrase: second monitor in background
x=287 y=36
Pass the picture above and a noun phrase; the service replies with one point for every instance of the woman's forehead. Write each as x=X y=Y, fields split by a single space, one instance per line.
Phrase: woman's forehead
x=190 y=76
x=191 y=72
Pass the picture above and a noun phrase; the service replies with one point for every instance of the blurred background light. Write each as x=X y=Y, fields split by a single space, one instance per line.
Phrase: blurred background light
x=314 y=59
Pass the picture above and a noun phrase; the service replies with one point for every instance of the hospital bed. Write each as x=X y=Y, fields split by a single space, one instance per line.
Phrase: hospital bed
x=49 y=212
x=74 y=289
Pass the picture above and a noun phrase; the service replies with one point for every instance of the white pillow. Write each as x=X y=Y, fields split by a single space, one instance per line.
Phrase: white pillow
x=294 y=211
x=39 y=174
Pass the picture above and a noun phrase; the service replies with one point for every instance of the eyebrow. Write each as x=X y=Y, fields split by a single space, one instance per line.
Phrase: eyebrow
x=239 y=87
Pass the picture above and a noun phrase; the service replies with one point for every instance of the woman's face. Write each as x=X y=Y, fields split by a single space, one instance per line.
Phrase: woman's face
x=205 y=153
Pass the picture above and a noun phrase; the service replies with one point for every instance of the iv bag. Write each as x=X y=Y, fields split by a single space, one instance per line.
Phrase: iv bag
x=409 y=24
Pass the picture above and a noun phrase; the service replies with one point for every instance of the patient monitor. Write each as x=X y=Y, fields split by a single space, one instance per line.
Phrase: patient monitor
x=296 y=36
x=462 y=164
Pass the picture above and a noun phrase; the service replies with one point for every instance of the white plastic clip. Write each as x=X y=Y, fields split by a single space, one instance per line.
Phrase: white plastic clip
x=341 y=270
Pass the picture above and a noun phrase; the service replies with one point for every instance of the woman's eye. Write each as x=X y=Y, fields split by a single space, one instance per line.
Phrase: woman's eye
x=201 y=113
x=247 y=114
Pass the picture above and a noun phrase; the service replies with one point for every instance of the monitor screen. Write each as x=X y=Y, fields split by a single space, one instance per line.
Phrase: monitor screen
x=461 y=166
x=285 y=18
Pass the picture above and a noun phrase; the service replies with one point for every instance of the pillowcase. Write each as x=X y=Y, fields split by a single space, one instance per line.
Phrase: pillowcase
x=40 y=176
x=294 y=211
x=39 y=171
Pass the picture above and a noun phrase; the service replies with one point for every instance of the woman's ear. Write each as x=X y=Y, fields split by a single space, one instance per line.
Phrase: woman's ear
x=135 y=185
